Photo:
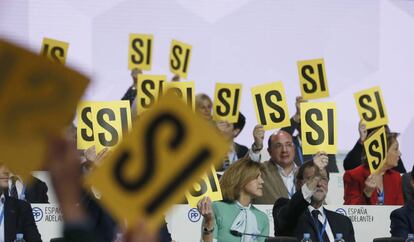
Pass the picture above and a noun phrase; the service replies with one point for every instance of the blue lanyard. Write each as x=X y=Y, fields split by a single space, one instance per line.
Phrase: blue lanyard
x=2 y=215
x=320 y=233
x=380 y=197
x=292 y=191
x=300 y=153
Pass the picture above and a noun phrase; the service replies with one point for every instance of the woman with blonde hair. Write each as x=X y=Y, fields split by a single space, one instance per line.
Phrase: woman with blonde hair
x=229 y=220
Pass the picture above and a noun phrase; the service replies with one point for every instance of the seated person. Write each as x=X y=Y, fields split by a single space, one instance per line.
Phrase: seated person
x=279 y=172
x=383 y=188
x=225 y=220
x=304 y=212
x=353 y=158
x=408 y=189
x=402 y=219
x=18 y=217
x=300 y=158
x=238 y=151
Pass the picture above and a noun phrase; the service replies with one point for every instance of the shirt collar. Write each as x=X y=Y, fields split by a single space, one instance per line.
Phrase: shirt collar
x=292 y=173
x=320 y=209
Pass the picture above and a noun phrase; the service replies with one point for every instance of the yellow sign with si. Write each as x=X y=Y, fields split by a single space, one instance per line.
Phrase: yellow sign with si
x=140 y=51
x=149 y=89
x=168 y=149
x=271 y=106
x=37 y=99
x=371 y=107
x=207 y=186
x=376 y=150
x=312 y=79
x=318 y=127
x=55 y=50
x=102 y=124
x=226 y=102
x=180 y=55
x=184 y=90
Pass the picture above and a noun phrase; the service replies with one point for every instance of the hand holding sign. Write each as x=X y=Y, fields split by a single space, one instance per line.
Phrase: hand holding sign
x=312 y=79
x=371 y=108
x=318 y=128
x=166 y=152
x=36 y=89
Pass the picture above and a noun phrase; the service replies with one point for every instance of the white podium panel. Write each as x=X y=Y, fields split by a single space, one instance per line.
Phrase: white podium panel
x=369 y=222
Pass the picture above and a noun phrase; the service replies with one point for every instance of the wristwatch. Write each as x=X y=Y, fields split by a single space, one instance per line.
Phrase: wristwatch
x=207 y=231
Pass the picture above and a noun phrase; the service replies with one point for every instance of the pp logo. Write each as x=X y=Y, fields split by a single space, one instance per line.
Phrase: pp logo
x=193 y=215
x=37 y=214
x=341 y=211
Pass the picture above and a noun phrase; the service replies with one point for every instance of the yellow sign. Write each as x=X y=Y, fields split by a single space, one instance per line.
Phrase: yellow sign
x=168 y=149
x=140 y=51
x=180 y=55
x=226 y=102
x=55 y=50
x=312 y=79
x=371 y=107
x=108 y=121
x=149 y=89
x=271 y=107
x=184 y=90
x=84 y=134
x=318 y=127
x=376 y=150
x=207 y=186
x=37 y=99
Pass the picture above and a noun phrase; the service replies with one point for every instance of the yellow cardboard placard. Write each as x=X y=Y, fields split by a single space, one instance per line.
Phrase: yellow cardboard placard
x=37 y=99
x=319 y=130
x=184 y=90
x=271 y=106
x=180 y=55
x=140 y=51
x=312 y=79
x=227 y=102
x=207 y=186
x=55 y=50
x=149 y=89
x=168 y=149
x=84 y=133
x=376 y=150
x=102 y=124
x=371 y=107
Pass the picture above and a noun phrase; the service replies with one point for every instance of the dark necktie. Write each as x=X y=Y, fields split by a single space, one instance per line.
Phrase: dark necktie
x=13 y=189
x=319 y=225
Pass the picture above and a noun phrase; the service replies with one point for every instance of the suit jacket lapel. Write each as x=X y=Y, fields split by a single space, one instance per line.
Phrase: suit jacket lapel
x=311 y=222
x=10 y=221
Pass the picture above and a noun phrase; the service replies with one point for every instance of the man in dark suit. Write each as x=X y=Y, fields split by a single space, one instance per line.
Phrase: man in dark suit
x=18 y=216
x=34 y=192
x=402 y=219
x=304 y=212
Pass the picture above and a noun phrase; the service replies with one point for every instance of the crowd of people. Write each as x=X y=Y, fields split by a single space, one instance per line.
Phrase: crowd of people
x=295 y=184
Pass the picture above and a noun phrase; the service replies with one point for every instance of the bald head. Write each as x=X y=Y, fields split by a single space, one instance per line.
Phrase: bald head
x=281 y=148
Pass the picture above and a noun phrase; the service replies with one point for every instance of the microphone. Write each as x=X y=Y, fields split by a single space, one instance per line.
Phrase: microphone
x=240 y=234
